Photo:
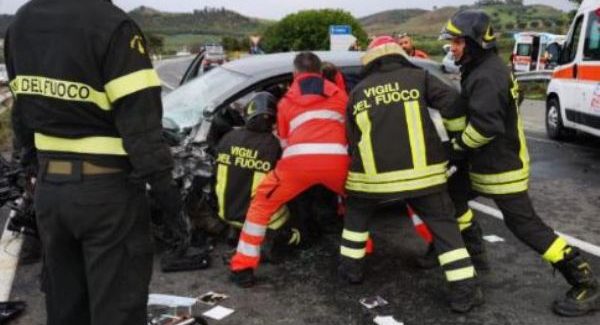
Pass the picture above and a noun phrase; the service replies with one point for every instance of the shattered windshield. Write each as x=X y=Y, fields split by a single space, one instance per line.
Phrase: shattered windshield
x=185 y=106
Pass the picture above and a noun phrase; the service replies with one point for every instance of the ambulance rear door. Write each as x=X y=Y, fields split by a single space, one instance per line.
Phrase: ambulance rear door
x=589 y=73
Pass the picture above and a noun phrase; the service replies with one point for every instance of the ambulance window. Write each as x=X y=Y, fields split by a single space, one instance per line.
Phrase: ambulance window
x=592 y=38
x=524 y=50
x=573 y=42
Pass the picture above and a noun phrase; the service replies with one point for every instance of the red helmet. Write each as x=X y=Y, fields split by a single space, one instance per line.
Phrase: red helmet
x=382 y=46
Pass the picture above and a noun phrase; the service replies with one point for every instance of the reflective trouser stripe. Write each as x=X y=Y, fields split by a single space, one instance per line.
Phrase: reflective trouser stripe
x=128 y=84
x=279 y=218
x=556 y=251
x=355 y=253
x=254 y=229
x=365 y=146
x=460 y=274
x=248 y=249
x=315 y=149
x=59 y=89
x=87 y=145
x=296 y=237
x=221 y=188
x=416 y=220
x=399 y=175
x=465 y=221
x=453 y=256
x=455 y=124
x=514 y=187
x=358 y=237
x=416 y=136
x=322 y=114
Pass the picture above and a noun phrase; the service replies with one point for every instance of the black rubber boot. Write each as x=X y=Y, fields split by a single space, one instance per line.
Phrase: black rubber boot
x=465 y=295
x=10 y=310
x=584 y=296
x=243 y=278
x=351 y=270
x=473 y=238
x=429 y=260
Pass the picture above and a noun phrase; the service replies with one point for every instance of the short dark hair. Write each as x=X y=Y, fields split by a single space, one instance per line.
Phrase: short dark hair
x=307 y=62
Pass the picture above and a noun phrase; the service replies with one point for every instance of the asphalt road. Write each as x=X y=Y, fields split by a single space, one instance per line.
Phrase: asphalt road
x=565 y=187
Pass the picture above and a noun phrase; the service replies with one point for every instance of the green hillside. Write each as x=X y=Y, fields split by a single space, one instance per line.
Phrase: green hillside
x=505 y=18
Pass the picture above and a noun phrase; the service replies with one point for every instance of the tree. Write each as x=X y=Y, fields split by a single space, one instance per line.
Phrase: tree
x=534 y=24
x=309 y=30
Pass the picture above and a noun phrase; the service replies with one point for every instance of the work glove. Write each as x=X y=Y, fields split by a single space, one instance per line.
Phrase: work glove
x=243 y=278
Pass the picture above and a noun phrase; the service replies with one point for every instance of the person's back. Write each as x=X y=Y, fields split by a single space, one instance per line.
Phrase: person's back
x=311 y=123
x=88 y=101
x=244 y=158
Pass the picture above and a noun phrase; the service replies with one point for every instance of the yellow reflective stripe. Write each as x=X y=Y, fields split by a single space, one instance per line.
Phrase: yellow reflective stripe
x=88 y=145
x=256 y=180
x=452 y=28
x=59 y=89
x=415 y=134
x=358 y=237
x=222 y=174
x=506 y=177
x=131 y=83
x=355 y=253
x=472 y=138
x=453 y=256
x=380 y=51
x=456 y=124
x=365 y=146
x=556 y=251
x=523 y=152
x=279 y=218
x=460 y=274
x=465 y=221
x=398 y=175
x=515 y=187
x=397 y=186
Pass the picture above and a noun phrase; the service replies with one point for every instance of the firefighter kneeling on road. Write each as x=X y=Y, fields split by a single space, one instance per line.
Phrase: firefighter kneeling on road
x=311 y=125
x=494 y=145
x=244 y=157
x=396 y=154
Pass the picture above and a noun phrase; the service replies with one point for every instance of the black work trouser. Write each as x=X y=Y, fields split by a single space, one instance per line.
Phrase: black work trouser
x=437 y=212
x=519 y=215
x=96 y=238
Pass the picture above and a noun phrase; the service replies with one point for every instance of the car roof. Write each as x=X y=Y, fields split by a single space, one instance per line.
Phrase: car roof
x=281 y=63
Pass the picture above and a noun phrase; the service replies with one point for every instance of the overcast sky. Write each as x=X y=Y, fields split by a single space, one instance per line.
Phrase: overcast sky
x=276 y=9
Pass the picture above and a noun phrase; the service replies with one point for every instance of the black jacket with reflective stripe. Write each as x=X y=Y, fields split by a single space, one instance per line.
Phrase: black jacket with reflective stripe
x=84 y=84
x=244 y=158
x=394 y=146
x=494 y=137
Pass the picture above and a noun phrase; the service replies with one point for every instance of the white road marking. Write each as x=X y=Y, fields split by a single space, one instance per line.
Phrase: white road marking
x=583 y=245
x=10 y=248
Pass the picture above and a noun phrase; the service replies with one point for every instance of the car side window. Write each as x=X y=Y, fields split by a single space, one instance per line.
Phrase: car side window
x=591 y=51
x=352 y=76
x=570 y=51
x=277 y=87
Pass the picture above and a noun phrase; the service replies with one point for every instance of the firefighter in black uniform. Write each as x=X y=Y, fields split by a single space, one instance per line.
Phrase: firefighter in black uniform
x=494 y=144
x=244 y=157
x=397 y=155
x=88 y=99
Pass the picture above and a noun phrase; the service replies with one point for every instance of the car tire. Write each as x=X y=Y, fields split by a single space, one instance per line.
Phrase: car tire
x=554 y=125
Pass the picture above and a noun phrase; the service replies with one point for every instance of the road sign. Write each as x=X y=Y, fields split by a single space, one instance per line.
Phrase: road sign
x=340 y=37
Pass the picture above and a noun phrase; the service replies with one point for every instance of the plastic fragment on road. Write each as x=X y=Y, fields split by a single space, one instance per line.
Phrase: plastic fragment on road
x=373 y=302
x=169 y=309
x=212 y=298
x=218 y=312
x=493 y=238
x=386 y=320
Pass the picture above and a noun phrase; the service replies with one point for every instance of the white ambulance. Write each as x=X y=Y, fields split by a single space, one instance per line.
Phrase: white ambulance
x=530 y=52
x=573 y=96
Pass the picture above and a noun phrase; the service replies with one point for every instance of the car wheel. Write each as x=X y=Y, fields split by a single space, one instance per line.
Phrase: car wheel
x=554 y=125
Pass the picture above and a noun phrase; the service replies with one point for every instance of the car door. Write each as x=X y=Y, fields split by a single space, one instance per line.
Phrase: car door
x=194 y=69
x=589 y=75
x=568 y=73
